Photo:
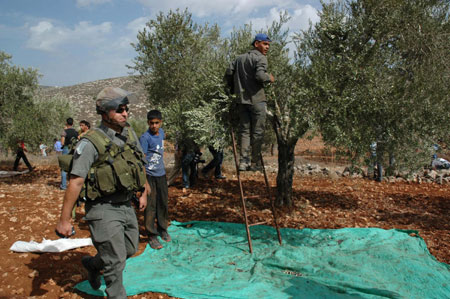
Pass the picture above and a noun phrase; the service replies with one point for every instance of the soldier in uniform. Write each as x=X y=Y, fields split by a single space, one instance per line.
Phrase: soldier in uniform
x=108 y=169
x=247 y=76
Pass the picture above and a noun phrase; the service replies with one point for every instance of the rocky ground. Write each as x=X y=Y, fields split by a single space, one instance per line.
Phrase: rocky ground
x=325 y=196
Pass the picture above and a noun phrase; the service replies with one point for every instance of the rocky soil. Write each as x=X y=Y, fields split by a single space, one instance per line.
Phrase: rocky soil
x=325 y=196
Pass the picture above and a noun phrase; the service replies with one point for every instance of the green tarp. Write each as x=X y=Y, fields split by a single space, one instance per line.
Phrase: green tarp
x=212 y=260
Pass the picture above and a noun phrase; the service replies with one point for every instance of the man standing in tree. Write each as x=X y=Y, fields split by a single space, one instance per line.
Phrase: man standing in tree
x=111 y=160
x=247 y=76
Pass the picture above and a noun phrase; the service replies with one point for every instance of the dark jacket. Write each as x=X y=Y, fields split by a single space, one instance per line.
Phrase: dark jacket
x=248 y=74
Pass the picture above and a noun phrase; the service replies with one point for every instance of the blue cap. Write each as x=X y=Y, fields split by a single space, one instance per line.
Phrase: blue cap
x=261 y=37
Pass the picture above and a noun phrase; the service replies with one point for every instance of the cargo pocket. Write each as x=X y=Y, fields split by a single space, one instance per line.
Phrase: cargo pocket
x=141 y=177
x=65 y=162
x=124 y=175
x=106 y=180
x=97 y=224
x=93 y=212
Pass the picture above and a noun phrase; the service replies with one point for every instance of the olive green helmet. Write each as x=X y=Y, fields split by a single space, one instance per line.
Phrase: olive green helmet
x=110 y=98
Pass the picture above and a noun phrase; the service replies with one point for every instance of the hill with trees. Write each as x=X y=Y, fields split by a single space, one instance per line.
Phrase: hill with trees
x=82 y=96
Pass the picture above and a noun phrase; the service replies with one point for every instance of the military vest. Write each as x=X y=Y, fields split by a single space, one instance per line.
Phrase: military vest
x=117 y=169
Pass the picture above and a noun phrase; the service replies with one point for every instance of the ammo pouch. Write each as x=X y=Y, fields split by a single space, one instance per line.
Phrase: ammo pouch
x=118 y=169
x=65 y=161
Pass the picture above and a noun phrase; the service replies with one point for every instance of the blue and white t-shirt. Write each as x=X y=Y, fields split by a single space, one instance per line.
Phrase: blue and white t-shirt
x=153 y=146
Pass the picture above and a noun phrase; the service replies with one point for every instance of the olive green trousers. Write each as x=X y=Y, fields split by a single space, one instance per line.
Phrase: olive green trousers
x=115 y=235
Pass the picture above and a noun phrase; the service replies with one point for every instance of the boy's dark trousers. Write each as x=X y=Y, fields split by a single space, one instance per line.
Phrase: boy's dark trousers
x=156 y=205
x=21 y=155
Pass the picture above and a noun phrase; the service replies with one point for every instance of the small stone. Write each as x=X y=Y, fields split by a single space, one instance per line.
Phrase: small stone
x=18 y=292
x=432 y=174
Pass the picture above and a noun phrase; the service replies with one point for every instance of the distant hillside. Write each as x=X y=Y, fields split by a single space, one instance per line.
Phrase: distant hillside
x=83 y=94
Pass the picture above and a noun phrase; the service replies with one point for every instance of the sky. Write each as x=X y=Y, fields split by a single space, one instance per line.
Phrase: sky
x=76 y=41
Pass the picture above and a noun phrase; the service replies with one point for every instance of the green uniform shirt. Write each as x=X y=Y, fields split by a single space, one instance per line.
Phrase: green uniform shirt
x=249 y=72
x=86 y=154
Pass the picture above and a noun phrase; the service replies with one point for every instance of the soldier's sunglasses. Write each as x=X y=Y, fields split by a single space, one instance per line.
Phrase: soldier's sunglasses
x=122 y=109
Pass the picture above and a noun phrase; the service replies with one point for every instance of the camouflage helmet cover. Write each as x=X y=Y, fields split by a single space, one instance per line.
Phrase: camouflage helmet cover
x=110 y=98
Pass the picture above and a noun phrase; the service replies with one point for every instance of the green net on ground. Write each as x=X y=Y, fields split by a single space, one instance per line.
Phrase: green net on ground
x=212 y=260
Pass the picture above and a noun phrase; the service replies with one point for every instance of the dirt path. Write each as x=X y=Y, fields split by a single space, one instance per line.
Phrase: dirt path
x=30 y=204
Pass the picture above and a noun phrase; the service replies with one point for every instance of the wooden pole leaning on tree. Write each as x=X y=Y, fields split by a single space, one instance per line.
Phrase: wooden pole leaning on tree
x=272 y=204
x=247 y=225
x=249 y=238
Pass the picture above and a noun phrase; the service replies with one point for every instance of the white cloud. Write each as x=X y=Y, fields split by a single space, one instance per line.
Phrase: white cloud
x=85 y=3
x=235 y=13
x=300 y=18
x=129 y=35
x=137 y=25
x=47 y=37
x=207 y=8
x=44 y=36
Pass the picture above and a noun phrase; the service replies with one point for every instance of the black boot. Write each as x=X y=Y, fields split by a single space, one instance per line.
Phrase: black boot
x=93 y=274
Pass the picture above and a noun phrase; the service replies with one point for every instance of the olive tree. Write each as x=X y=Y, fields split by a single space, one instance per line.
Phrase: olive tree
x=23 y=115
x=288 y=106
x=378 y=71
x=175 y=59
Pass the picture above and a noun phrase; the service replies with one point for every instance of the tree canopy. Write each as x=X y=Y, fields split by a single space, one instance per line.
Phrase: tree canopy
x=367 y=71
x=177 y=59
x=23 y=115
x=378 y=71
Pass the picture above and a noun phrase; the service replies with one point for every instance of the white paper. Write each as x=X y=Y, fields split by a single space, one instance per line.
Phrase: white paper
x=59 y=245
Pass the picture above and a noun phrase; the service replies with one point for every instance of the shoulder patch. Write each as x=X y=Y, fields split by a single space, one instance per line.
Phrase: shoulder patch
x=81 y=146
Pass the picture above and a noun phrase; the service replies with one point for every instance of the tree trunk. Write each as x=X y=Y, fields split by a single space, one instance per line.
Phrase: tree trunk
x=286 y=161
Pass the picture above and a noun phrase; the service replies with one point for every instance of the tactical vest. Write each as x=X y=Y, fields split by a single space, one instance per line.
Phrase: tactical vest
x=118 y=168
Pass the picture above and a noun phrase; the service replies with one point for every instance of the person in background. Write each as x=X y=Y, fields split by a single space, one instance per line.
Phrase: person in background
x=84 y=128
x=43 y=149
x=152 y=142
x=68 y=135
x=57 y=146
x=20 y=154
x=215 y=163
x=191 y=156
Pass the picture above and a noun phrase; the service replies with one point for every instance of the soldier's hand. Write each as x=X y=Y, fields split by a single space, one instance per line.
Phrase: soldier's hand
x=142 y=202
x=65 y=228
x=272 y=78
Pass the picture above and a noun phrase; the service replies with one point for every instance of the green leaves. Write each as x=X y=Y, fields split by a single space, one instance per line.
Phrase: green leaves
x=182 y=65
x=375 y=74
x=23 y=115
